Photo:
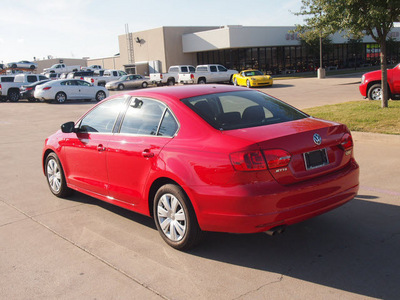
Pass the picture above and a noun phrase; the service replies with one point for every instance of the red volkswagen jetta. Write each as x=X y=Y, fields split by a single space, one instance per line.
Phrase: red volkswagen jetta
x=204 y=158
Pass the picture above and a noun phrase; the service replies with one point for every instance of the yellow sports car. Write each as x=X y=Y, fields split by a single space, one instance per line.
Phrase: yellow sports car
x=251 y=78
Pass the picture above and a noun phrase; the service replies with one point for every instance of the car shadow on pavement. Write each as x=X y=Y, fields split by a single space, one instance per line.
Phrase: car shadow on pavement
x=354 y=248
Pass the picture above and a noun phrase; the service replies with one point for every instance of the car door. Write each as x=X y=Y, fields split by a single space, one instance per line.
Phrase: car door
x=147 y=126
x=86 y=150
x=130 y=81
x=85 y=90
x=70 y=87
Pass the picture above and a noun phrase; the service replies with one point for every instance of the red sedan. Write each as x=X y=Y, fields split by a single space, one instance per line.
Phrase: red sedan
x=204 y=158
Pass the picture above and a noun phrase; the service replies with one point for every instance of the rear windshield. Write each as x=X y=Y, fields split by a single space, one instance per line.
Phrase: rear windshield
x=243 y=109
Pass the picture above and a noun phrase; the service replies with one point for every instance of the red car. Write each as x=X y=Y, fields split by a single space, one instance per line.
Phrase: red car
x=204 y=158
x=370 y=86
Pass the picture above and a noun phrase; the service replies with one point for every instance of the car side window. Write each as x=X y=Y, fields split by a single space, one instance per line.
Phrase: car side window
x=31 y=78
x=83 y=83
x=103 y=117
x=144 y=117
x=168 y=126
x=222 y=69
x=213 y=68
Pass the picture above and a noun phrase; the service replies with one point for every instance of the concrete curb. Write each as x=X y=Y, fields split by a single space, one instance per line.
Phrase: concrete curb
x=369 y=136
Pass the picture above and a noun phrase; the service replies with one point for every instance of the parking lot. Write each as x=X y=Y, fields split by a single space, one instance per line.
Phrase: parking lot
x=82 y=248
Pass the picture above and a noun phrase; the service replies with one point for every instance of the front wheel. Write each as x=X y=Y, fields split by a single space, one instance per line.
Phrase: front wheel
x=100 y=95
x=55 y=176
x=144 y=85
x=175 y=218
x=375 y=92
x=121 y=87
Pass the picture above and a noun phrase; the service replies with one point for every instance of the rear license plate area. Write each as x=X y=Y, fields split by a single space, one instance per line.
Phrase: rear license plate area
x=315 y=159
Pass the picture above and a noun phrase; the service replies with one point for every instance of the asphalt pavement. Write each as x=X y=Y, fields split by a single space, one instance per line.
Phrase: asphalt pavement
x=82 y=248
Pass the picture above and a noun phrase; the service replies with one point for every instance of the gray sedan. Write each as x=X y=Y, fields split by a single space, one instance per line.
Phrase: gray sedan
x=128 y=81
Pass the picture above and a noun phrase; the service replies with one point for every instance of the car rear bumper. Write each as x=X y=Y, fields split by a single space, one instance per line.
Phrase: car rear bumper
x=280 y=205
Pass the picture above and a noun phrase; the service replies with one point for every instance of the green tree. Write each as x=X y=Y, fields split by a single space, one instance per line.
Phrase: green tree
x=353 y=17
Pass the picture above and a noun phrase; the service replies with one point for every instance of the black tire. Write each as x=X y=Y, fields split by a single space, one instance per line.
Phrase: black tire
x=13 y=96
x=100 y=95
x=101 y=84
x=3 y=99
x=375 y=92
x=121 y=87
x=55 y=176
x=202 y=81
x=32 y=67
x=60 y=98
x=31 y=99
x=182 y=232
x=14 y=66
x=170 y=82
x=144 y=84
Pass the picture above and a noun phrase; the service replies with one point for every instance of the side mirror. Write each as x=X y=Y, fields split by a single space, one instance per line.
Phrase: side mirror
x=68 y=127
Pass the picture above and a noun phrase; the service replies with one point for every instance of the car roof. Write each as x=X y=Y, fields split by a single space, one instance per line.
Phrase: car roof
x=184 y=91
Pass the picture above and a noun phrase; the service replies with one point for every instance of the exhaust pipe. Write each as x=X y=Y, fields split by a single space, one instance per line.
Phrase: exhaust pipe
x=276 y=230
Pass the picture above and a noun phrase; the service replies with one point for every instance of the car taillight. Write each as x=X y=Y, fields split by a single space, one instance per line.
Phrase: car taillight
x=47 y=88
x=92 y=80
x=192 y=76
x=0 y=86
x=277 y=158
x=347 y=142
x=248 y=161
x=160 y=76
x=28 y=88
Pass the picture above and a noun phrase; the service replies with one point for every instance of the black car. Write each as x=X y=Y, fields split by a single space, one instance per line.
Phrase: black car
x=27 y=91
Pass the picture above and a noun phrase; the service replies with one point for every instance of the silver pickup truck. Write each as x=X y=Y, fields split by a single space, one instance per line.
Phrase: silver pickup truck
x=172 y=76
x=208 y=74
x=9 y=90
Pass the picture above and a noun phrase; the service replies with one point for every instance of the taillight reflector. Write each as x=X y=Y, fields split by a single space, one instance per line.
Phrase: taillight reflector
x=277 y=158
x=47 y=88
x=248 y=161
x=255 y=161
x=347 y=142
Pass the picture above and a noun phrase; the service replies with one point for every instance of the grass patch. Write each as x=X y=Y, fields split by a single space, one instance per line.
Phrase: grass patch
x=366 y=116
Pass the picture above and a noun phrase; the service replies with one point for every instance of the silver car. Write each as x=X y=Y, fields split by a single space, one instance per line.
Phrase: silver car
x=128 y=81
x=23 y=64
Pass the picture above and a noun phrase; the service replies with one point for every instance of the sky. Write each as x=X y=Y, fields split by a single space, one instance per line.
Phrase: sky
x=89 y=28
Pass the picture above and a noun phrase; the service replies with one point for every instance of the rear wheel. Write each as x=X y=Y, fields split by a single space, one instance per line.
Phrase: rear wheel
x=100 y=95
x=55 y=176
x=175 y=218
x=375 y=92
x=171 y=82
x=202 y=81
x=144 y=85
x=60 y=98
x=13 y=96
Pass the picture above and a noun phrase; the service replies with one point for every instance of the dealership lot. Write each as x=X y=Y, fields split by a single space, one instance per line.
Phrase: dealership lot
x=84 y=248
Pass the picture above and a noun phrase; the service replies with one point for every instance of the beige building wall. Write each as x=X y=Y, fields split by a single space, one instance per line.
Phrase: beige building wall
x=112 y=62
x=162 y=44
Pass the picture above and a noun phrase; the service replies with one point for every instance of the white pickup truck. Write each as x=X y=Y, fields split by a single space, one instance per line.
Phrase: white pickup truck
x=108 y=75
x=61 y=68
x=172 y=76
x=9 y=90
x=208 y=74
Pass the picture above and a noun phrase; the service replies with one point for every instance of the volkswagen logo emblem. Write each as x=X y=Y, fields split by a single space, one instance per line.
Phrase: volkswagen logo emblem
x=317 y=139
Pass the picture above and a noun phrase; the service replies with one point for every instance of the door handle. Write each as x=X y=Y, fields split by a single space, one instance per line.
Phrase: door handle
x=101 y=148
x=147 y=153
